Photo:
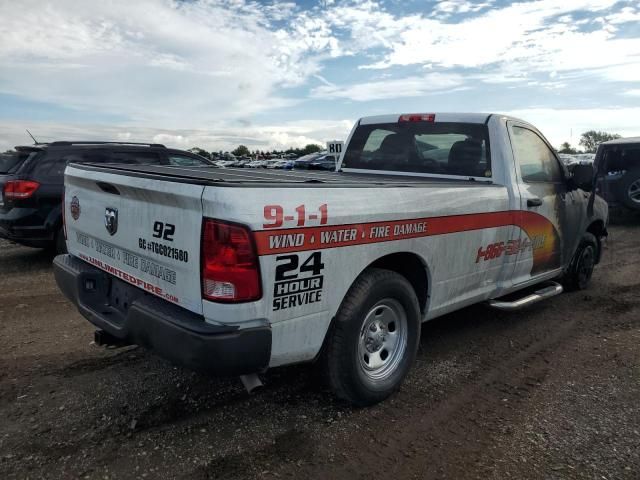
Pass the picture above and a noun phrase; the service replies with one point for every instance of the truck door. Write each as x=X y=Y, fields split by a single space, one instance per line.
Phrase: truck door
x=550 y=216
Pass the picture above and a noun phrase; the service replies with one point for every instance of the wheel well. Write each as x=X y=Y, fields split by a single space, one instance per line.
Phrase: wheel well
x=411 y=267
x=598 y=230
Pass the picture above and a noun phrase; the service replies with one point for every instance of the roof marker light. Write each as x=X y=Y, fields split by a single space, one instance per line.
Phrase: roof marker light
x=417 y=117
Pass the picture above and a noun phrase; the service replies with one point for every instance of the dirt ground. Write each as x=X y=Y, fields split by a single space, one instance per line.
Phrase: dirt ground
x=550 y=392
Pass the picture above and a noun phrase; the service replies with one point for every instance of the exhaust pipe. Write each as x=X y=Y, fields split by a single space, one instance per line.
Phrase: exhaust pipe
x=251 y=382
x=105 y=339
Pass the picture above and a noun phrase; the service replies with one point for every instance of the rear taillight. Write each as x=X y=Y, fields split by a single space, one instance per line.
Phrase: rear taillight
x=19 y=189
x=230 y=271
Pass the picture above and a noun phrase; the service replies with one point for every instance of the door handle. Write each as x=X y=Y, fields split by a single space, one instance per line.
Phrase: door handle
x=534 y=202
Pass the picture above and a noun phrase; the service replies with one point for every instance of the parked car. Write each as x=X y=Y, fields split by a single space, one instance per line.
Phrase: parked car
x=570 y=159
x=32 y=183
x=225 y=163
x=325 y=162
x=304 y=161
x=239 y=163
x=256 y=164
x=277 y=163
x=618 y=162
x=233 y=274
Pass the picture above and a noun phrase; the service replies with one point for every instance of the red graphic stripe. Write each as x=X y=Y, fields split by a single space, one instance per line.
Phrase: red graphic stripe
x=317 y=238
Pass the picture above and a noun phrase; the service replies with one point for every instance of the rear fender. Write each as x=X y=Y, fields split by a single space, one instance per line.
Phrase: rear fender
x=54 y=218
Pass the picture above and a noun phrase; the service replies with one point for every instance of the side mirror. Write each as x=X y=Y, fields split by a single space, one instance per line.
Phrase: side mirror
x=582 y=177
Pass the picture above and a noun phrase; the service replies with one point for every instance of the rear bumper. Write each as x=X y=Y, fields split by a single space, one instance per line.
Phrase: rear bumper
x=24 y=225
x=172 y=332
x=37 y=238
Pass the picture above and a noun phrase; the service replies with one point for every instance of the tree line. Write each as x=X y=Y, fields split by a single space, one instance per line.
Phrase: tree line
x=589 y=141
x=243 y=151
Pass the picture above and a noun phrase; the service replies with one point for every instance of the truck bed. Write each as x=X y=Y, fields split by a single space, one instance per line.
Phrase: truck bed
x=244 y=177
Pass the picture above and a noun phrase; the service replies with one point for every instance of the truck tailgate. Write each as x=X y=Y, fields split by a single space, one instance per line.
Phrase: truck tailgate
x=143 y=231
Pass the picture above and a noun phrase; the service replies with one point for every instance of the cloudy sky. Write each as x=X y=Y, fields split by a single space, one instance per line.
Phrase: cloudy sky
x=217 y=73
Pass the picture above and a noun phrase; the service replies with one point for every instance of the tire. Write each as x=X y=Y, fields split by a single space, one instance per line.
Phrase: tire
x=374 y=339
x=582 y=265
x=629 y=189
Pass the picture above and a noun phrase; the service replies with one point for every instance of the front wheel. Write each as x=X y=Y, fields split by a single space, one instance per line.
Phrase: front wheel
x=374 y=339
x=583 y=263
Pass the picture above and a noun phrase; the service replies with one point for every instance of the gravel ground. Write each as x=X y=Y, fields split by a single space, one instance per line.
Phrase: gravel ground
x=548 y=392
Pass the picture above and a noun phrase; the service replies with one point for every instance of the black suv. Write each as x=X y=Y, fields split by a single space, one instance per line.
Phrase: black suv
x=32 y=183
x=618 y=163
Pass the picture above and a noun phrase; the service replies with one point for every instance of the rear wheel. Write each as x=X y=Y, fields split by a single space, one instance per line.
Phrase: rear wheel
x=630 y=189
x=584 y=261
x=374 y=339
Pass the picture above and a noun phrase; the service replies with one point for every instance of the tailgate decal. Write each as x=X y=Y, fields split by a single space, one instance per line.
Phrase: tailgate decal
x=155 y=269
x=138 y=282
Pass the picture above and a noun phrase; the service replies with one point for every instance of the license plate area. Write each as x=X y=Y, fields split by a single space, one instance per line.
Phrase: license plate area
x=122 y=295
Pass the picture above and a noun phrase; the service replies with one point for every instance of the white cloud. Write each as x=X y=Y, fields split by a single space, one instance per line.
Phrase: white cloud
x=524 y=37
x=566 y=125
x=625 y=15
x=195 y=69
x=623 y=72
x=391 y=88
x=159 y=61
x=516 y=45
x=449 y=7
x=219 y=137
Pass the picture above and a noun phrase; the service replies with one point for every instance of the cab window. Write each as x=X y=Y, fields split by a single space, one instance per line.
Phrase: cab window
x=537 y=161
x=186 y=161
x=446 y=148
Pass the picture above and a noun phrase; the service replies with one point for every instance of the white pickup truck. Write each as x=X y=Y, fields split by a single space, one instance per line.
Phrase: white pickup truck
x=233 y=271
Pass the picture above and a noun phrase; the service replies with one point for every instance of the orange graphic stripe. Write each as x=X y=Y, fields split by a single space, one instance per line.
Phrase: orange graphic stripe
x=270 y=242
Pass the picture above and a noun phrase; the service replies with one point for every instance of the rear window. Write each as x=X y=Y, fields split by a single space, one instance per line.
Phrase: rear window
x=129 y=158
x=10 y=162
x=419 y=147
x=50 y=165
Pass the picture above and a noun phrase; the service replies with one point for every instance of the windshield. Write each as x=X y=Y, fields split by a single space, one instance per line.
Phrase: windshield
x=10 y=162
x=431 y=148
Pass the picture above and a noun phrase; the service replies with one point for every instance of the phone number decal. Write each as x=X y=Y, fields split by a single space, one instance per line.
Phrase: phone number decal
x=511 y=247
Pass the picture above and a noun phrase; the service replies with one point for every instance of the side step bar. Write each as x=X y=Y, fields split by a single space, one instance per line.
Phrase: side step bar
x=550 y=290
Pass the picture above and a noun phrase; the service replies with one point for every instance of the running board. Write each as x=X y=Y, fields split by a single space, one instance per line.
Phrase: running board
x=551 y=290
